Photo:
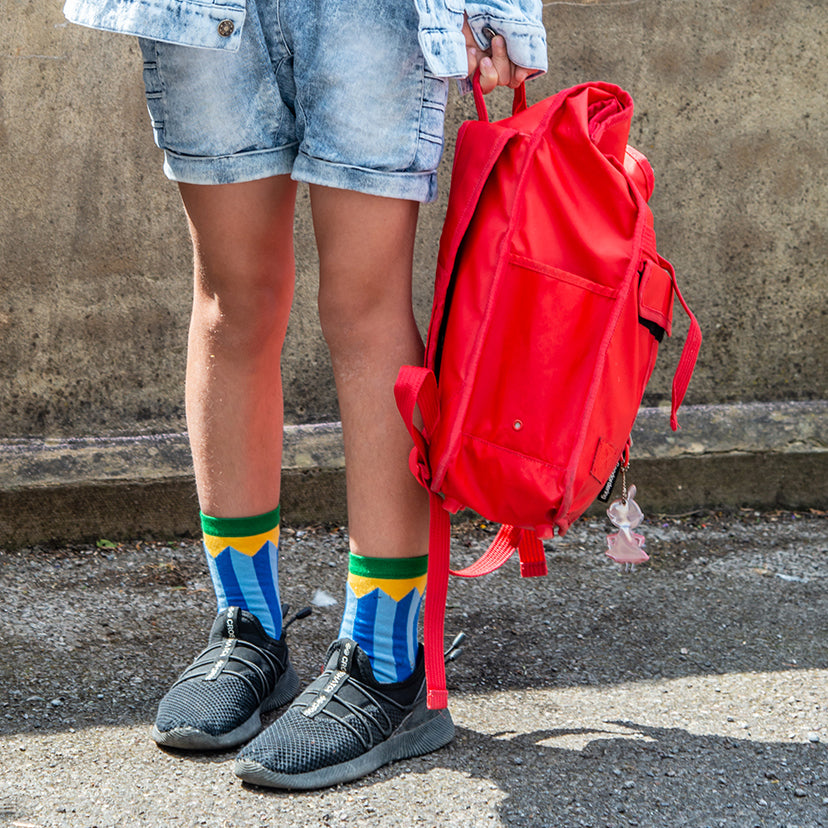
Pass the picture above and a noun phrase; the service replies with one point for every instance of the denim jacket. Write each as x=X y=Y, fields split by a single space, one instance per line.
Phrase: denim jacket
x=218 y=25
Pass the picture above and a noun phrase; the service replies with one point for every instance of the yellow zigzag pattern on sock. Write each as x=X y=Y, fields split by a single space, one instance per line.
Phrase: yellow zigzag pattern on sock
x=396 y=588
x=247 y=546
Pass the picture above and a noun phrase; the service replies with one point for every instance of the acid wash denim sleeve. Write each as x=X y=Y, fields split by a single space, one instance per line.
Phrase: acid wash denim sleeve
x=441 y=38
x=216 y=25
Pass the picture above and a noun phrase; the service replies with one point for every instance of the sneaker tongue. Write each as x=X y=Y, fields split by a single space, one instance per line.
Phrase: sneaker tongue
x=347 y=656
x=343 y=661
x=234 y=623
x=341 y=655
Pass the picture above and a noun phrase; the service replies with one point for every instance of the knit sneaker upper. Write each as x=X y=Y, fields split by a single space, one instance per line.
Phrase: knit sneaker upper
x=343 y=714
x=230 y=680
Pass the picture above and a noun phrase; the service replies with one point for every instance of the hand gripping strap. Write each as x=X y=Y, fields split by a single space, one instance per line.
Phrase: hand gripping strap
x=518 y=102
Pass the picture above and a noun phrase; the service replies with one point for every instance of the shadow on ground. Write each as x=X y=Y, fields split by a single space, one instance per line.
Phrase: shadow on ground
x=94 y=635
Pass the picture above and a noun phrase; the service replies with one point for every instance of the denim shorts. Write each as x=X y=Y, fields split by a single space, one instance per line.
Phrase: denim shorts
x=333 y=93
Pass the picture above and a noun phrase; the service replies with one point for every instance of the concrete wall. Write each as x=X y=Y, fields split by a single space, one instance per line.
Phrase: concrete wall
x=94 y=259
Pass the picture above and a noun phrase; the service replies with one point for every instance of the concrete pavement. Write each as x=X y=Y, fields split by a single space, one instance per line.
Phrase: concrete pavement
x=692 y=692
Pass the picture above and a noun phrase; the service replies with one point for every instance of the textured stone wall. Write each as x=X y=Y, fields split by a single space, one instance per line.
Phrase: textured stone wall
x=731 y=109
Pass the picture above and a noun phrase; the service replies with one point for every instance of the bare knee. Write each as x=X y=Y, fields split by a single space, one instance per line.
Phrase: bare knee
x=347 y=316
x=243 y=306
x=365 y=254
x=244 y=269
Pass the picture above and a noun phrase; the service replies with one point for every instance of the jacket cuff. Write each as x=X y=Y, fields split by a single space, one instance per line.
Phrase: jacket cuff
x=217 y=26
x=525 y=40
x=445 y=52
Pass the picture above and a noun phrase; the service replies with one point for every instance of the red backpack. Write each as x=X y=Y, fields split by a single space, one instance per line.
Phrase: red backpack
x=550 y=301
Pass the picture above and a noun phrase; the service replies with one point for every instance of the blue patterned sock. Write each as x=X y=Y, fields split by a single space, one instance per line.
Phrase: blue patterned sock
x=243 y=557
x=382 y=608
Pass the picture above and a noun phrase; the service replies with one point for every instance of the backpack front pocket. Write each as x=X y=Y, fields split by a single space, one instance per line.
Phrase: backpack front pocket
x=542 y=342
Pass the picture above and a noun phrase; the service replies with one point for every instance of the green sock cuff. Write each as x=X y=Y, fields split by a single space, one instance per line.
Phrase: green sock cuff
x=390 y=568
x=240 y=527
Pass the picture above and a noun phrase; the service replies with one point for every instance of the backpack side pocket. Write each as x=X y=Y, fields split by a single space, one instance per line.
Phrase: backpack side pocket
x=655 y=300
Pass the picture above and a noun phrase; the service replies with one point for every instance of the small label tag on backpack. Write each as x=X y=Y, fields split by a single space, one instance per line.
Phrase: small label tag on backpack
x=604 y=496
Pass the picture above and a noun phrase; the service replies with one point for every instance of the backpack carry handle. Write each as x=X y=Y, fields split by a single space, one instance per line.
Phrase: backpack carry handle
x=518 y=103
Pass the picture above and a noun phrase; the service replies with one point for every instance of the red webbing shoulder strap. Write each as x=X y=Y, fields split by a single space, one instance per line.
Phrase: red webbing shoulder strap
x=689 y=353
x=507 y=540
x=439 y=540
x=417 y=388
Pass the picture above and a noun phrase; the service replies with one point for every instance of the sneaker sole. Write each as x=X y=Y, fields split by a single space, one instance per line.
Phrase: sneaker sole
x=191 y=738
x=414 y=737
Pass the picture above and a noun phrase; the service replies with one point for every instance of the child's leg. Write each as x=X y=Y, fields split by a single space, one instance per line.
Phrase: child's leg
x=244 y=274
x=366 y=248
x=369 y=705
x=370 y=123
x=243 y=243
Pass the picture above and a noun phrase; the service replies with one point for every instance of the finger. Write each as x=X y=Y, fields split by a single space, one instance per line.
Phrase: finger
x=473 y=53
x=467 y=32
x=519 y=76
x=488 y=75
x=500 y=59
x=473 y=58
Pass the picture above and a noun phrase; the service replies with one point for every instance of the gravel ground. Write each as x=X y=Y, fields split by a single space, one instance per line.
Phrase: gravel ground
x=691 y=692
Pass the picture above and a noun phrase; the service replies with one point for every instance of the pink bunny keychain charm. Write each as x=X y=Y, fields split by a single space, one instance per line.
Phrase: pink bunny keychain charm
x=626 y=547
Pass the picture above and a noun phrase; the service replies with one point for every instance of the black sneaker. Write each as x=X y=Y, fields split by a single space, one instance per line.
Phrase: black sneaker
x=345 y=725
x=218 y=699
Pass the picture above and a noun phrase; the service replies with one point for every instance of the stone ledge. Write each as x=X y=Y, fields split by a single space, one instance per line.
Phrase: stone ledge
x=764 y=455
x=741 y=428
x=38 y=463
